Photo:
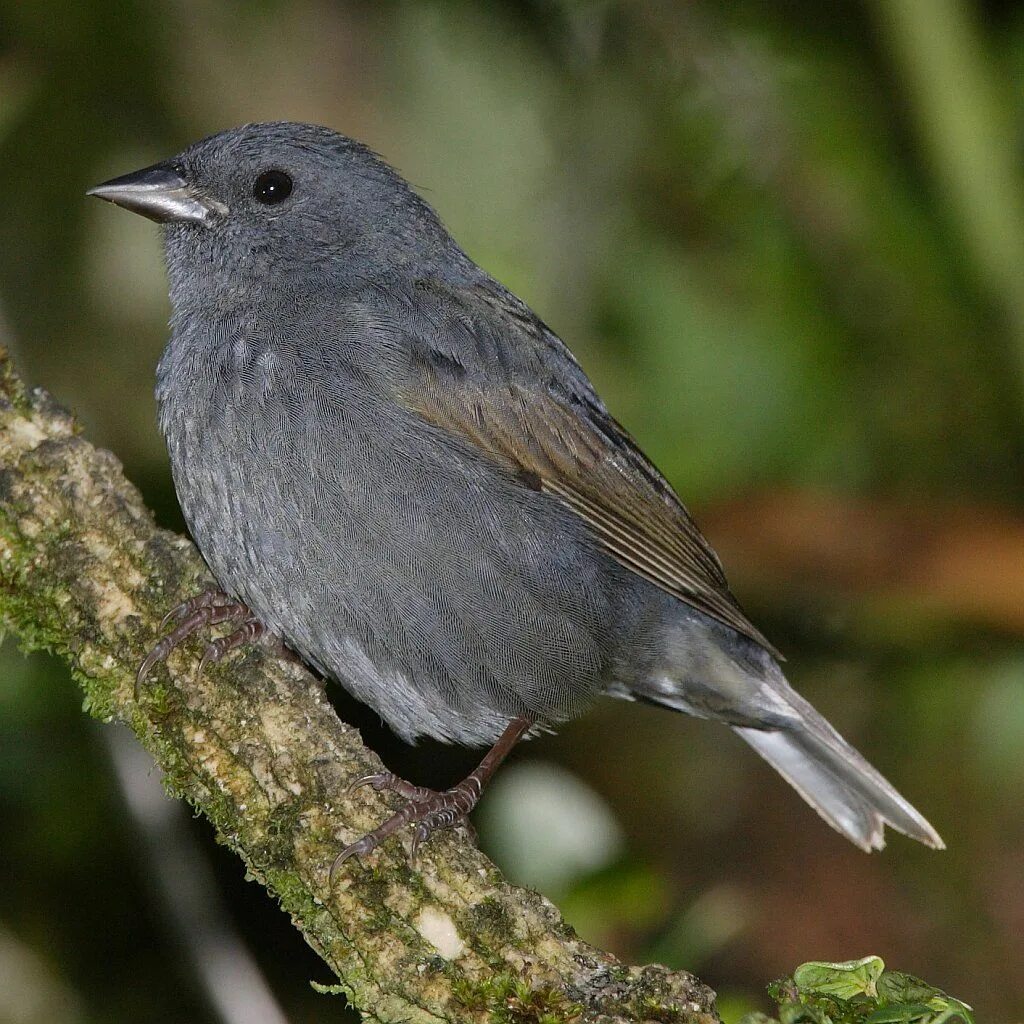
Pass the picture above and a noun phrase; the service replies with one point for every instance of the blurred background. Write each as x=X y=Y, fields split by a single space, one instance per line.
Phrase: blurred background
x=787 y=242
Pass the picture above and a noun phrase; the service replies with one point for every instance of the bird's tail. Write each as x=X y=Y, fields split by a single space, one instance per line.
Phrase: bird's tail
x=747 y=690
x=836 y=781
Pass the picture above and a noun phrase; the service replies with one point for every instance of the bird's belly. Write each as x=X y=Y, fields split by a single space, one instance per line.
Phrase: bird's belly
x=438 y=592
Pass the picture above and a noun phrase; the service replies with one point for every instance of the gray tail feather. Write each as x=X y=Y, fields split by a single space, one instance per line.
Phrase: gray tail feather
x=837 y=782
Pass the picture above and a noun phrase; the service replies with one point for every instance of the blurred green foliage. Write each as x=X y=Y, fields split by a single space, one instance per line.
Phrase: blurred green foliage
x=784 y=239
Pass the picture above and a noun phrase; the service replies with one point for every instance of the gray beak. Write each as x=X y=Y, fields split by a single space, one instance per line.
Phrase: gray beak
x=161 y=194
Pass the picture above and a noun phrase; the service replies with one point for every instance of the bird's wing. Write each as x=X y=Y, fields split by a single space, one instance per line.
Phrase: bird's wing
x=525 y=402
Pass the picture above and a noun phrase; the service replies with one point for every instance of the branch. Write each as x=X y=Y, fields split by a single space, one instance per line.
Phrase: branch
x=256 y=746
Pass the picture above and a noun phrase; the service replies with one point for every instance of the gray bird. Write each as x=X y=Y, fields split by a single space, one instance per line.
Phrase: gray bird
x=392 y=464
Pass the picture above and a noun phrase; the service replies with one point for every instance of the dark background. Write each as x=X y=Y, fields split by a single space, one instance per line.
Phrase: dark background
x=787 y=242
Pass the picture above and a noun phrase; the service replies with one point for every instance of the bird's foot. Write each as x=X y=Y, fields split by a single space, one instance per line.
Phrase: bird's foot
x=206 y=609
x=428 y=809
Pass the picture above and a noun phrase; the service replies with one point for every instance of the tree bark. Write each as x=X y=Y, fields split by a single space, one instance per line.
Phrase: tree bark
x=256 y=746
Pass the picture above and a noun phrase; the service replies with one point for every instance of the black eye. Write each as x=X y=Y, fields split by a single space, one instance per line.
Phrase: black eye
x=272 y=187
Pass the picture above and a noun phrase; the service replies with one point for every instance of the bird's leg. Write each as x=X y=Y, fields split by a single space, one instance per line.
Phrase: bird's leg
x=206 y=609
x=427 y=809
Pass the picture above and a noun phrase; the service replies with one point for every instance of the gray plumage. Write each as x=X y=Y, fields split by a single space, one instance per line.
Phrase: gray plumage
x=404 y=473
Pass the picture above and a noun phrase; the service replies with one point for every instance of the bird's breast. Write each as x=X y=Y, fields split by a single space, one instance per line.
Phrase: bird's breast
x=395 y=558
x=236 y=424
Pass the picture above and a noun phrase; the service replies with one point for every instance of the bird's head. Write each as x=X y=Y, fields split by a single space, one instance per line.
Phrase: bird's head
x=279 y=202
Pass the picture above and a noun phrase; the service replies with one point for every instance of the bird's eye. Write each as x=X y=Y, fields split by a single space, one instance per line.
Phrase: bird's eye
x=272 y=187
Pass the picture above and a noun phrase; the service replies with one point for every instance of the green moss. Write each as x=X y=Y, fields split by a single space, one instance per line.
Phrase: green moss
x=372 y=887
x=291 y=891
x=283 y=821
x=11 y=386
x=652 y=993
x=488 y=925
x=507 y=999
x=156 y=700
x=330 y=990
x=666 y=1013
x=99 y=702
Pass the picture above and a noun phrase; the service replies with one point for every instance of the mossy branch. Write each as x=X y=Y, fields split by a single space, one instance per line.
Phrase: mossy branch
x=255 y=745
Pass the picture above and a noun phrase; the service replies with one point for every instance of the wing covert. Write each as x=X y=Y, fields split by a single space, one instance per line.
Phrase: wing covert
x=524 y=400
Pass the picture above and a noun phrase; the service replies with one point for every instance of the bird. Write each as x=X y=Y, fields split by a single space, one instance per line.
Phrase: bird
x=392 y=465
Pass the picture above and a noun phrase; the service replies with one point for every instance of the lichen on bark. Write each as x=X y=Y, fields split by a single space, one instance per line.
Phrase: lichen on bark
x=255 y=745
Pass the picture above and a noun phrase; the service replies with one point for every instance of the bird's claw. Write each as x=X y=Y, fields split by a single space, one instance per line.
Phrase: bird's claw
x=208 y=598
x=249 y=632
x=206 y=609
x=388 y=781
x=428 y=809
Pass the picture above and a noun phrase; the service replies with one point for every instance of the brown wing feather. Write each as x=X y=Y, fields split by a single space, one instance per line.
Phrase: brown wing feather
x=630 y=508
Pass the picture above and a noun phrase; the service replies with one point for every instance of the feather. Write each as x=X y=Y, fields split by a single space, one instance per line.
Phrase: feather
x=550 y=429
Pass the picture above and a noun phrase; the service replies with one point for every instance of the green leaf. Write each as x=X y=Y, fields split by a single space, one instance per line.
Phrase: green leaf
x=805 y=1013
x=861 y=992
x=897 y=987
x=757 y=1017
x=843 y=980
x=957 y=1011
x=898 y=1013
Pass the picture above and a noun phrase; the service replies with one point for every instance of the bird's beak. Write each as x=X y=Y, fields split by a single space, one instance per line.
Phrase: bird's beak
x=161 y=194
